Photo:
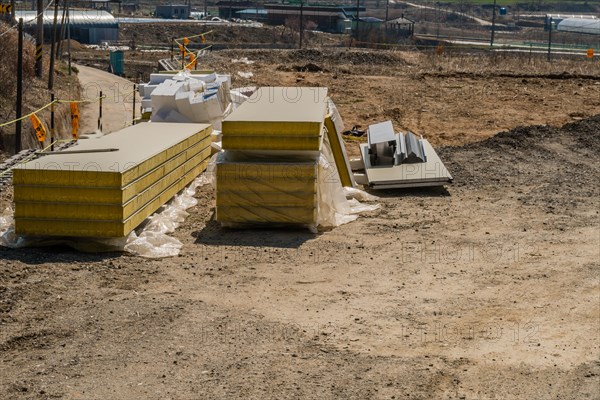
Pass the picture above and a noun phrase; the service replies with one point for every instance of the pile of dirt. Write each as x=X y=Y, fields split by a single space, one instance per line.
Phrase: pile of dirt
x=319 y=56
x=586 y=132
x=156 y=34
x=556 y=161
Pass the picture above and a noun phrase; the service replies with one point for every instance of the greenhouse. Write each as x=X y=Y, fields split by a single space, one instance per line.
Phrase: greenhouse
x=590 y=26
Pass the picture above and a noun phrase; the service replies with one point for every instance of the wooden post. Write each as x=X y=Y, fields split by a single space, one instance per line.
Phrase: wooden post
x=358 y=21
x=133 y=111
x=550 y=40
x=100 y=113
x=52 y=48
x=493 y=24
x=19 y=88
x=39 y=38
x=52 y=129
x=172 y=48
x=62 y=31
x=69 y=35
x=301 y=22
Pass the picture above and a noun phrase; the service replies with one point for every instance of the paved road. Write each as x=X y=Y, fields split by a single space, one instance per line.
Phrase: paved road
x=480 y=21
x=116 y=107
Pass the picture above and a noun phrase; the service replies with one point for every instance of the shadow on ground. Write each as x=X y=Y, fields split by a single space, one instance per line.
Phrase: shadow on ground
x=290 y=237
x=53 y=254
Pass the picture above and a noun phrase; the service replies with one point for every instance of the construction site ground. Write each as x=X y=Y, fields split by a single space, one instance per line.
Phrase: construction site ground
x=488 y=289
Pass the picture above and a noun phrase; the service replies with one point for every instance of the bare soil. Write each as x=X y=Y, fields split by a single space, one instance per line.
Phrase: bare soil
x=488 y=289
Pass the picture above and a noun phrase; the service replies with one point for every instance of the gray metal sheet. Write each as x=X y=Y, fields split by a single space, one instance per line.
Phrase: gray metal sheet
x=433 y=172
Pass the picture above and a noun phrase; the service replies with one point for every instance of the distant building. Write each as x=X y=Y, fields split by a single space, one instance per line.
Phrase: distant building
x=254 y=14
x=87 y=26
x=130 y=6
x=173 y=11
x=557 y=18
x=228 y=9
x=327 y=17
x=403 y=27
x=577 y=25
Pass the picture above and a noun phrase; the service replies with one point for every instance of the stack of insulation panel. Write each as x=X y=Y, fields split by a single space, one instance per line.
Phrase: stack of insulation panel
x=269 y=170
x=106 y=187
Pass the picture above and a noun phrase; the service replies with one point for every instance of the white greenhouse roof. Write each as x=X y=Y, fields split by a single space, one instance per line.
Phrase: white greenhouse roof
x=591 y=26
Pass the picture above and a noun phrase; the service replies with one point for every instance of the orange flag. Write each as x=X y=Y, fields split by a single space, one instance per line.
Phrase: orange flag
x=202 y=39
x=186 y=41
x=40 y=131
x=193 y=61
x=74 y=120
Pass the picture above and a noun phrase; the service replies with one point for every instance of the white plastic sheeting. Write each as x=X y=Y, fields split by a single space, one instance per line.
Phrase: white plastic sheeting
x=150 y=240
x=334 y=209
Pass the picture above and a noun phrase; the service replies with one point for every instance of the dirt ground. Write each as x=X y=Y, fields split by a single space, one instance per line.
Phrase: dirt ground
x=488 y=289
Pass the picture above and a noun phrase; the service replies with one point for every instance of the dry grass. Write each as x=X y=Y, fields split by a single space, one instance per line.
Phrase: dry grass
x=508 y=63
x=8 y=60
x=35 y=91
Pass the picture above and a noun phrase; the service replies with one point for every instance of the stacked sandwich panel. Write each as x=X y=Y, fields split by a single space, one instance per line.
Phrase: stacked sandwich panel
x=106 y=187
x=269 y=170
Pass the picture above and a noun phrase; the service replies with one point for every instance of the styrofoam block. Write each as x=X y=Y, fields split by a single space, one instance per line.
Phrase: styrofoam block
x=148 y=89
x=146 y=103
x=206 y=78
x=168 y=116
x=198 y=108
x=156 y=79
x=182 y=99
x=164 y=95
x=197 y=86
x=213 y=107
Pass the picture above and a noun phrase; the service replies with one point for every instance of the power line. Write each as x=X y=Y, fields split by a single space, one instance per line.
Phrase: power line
x=17 y=24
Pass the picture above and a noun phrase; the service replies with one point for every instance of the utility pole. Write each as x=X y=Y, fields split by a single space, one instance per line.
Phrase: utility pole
x=358 y=20
x=493 y=24
x=39 y=38
x=19 y=88
x=59 y=48
x=387 y=8
x=12 y=11
x=69 y=35
x=550 y=40
x=52 y=48
x=301 y=21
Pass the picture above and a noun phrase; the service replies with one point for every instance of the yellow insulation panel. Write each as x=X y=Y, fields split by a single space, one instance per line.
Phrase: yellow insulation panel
x=266 y=171
x=267 y=215
x=139 y=149
x=107 y=195
x=339 y=153
x=281 y=142
x=271 y=128
x=266 y=192
x=275 y=111
x=103 y=228
x=91 y=210
x=262 y=199
x=273 y=185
